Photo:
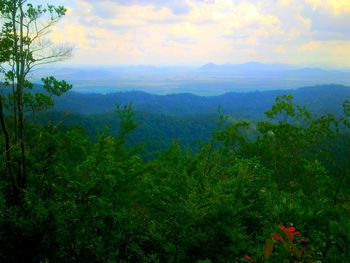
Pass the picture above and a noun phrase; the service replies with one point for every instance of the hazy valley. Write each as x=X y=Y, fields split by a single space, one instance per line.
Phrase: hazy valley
x=206 y=80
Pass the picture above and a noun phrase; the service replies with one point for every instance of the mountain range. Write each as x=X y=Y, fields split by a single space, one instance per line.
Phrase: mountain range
x=207 y=80
x=320 y=99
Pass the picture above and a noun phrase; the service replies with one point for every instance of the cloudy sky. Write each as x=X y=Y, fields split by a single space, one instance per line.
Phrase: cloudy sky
x=303 y=32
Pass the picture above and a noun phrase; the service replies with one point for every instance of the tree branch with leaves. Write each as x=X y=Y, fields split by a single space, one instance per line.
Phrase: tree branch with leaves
x=24 y=45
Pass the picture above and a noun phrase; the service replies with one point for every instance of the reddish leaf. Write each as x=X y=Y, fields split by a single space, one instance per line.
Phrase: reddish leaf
x=249 y=258
x=268 y=248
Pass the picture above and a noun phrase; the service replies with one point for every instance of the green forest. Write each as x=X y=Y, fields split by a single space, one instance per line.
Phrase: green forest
x=271 y=189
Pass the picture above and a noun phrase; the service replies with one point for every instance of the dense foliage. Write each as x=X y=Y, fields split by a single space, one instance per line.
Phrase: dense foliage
x=99 y=201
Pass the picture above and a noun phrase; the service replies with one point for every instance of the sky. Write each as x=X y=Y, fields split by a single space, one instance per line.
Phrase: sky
x=195 y=32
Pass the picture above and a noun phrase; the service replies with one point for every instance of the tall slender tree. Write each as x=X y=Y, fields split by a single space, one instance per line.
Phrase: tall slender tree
x=24 y=46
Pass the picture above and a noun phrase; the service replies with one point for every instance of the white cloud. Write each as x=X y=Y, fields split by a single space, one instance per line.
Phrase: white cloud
x=198 y=31
x=336 y=7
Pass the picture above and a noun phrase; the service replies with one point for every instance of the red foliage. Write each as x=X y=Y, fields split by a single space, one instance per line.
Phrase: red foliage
x=290 y=232
x=277 y=237
x=249 y=258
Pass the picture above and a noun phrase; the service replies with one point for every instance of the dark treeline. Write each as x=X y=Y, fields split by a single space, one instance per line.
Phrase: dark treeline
x=187 y=118
x=319 y=99
x=155 y=132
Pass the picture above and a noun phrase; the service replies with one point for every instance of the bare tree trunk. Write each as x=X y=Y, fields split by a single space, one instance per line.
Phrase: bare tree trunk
x=14 y=192
x=6 y=139
x=14 y=105
x=20 y=89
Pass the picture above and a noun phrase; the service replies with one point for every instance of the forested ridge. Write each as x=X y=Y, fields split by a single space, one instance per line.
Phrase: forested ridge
x=321 y=99
x=187 y=118
x=272 y=190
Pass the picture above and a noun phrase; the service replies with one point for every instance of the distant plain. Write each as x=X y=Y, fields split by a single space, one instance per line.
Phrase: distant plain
x=207 y=80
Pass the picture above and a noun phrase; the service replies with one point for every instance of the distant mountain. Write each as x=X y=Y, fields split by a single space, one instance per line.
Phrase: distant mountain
x=208 y=80
x=280 y=71
x=320 y=99
x=248 y=66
